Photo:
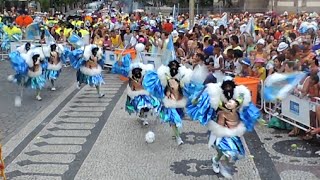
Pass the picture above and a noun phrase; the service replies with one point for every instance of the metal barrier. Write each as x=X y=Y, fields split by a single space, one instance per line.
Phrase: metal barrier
x=147 y=58
x=295 y=111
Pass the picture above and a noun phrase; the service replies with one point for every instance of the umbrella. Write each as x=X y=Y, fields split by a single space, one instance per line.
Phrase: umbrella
x=23 y=20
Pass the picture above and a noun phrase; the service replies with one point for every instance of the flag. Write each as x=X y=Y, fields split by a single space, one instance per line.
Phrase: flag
x=223 y=20
x=48 y=37
x=250 y=27
x=279 y=85
x=170 y=49
x=33 y=31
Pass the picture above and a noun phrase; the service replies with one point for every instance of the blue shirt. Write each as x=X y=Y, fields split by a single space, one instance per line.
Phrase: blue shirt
x=209 y=50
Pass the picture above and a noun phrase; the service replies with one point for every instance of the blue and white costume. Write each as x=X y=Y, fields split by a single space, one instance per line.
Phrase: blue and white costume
x=56 y=56
x=124 y=67
x=206 y=109
x=167 y=84
x=88 y=60
x=139 y=100
x=28 y=68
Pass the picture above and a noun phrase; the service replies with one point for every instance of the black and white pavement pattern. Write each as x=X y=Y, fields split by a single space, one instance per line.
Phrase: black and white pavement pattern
x=73 y=134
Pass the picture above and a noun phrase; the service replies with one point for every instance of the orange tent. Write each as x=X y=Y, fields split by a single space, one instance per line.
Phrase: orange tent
x=24 y=21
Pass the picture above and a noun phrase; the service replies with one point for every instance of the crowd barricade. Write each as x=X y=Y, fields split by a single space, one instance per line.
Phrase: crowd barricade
x=147 y=58
x=299 y=112
x=151 y=58
x=3 y=52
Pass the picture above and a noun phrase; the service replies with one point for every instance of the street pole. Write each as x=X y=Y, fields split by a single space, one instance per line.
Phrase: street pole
x=191 y=13
x=197 y=7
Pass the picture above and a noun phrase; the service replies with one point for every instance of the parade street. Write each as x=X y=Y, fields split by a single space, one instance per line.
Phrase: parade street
x=72 y=134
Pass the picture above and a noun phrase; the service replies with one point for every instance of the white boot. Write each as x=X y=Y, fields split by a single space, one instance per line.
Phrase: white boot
x=179 y=141
x=215 y=166
x=38 y=98
x=224 y=172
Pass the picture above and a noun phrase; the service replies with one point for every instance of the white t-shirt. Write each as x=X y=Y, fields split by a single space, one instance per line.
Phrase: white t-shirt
x=216 y=62
x=133 y=41
x=238 y=67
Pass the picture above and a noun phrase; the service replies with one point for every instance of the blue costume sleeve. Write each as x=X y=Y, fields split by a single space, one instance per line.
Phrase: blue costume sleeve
x=65 y=54
x=192 y=88
x=18 y=63
x=199 y=109
x=152 y=84
x=124 y=68
x=76 y=58
x=249 y=116
x=102 y=60
x=44 y=64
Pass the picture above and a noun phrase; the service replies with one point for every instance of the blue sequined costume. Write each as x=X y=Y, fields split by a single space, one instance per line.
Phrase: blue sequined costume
x=172 y=111
x=24 y=75
x=87 y=75
x=52 y=71
x=203 y=107
x=124 y=68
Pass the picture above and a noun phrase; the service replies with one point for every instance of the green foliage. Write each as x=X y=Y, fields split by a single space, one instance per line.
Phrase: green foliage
x=45 y=4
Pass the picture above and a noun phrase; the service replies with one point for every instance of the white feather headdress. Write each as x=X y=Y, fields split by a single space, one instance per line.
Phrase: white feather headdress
x=144 y=67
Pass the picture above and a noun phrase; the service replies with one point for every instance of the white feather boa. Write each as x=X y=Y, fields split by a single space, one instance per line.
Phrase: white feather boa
x=55 y=67
x=46 y=50
x=200 y=74
x=22 y=50
x=163 y=71
x=35 y=74
x=144 y=67
x=221 y=131
x=88 y=52
x=241 y=89
x=133 y=94
x=185 y=75
x=215 y=92
x=169 y=103
x=91 y=72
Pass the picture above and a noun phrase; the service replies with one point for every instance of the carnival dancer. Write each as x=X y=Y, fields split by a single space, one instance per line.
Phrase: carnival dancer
x=167 y=84
x=139 y=100
x=228 y=112
x=55 y=61
x=88 y=60
x=28 y=71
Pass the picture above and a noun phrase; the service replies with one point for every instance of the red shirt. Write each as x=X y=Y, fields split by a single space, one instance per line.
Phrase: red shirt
x=168 y=27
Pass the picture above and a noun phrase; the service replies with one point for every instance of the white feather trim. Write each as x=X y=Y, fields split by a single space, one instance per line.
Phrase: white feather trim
x=163 y=72
x=45 y=50
x=169 y=103
x=35 y=74
x=215 y=92
x=91 y=72
x=185 y=74
x=146 y=67
x=28 y=58
x=245 y=91
x=60 y=48
x=200 y=74
x=99 y=53
x=221 y=131
x=21 y=49
x=40 y=51
x=133 y=94
x=55 y=67
x=87 y=51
